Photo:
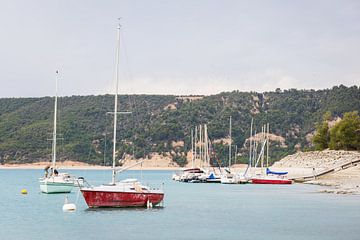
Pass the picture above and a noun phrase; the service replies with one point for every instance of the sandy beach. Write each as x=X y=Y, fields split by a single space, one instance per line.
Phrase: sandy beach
x=60 y=165
x=81 y=166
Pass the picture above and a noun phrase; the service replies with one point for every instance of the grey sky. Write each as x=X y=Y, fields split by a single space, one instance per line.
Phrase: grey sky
x=177 y=47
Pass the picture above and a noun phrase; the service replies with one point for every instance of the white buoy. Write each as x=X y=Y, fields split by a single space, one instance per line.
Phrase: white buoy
x=68 y=207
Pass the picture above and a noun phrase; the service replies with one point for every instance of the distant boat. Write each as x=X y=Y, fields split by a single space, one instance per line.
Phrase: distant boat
x=269 y=177
x=272 y=177
x=236 y=178
x=213 y=178
x=199 y=174
x=189 y=174
x=55 y=182
x=126 y=193
x=227 y=177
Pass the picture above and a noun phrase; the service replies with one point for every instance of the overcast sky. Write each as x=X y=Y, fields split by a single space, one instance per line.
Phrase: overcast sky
x=177 y=47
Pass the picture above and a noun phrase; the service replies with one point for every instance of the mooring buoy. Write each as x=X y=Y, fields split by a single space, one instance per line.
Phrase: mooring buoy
x=68 y=207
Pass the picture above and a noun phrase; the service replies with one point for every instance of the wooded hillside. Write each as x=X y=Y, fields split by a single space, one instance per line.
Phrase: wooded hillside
x=159 y=121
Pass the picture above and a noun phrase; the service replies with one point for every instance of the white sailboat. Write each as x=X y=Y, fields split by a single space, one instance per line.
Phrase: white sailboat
x=55 y=182
x=202 y=172
x=229 y=177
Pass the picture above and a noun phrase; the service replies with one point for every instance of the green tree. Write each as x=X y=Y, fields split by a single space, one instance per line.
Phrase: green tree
x=322 y=136
x=346 y=133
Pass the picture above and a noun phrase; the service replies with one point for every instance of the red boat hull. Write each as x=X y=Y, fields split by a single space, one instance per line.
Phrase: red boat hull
x=270 y=181
x=120 y=199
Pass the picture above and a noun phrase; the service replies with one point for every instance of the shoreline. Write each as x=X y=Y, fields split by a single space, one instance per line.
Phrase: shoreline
x=293 y=171
x=79 y=167
x=342 y=181
x=88 y=168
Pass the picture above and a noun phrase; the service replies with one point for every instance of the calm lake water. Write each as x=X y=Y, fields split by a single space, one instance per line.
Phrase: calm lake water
x=192 y=211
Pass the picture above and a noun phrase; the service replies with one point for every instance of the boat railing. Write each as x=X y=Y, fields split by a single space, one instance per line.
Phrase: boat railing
x=155 y=187
x=81 y=182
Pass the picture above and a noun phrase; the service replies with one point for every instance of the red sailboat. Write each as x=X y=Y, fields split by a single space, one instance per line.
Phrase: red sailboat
x=126 y=193
x=270 y=177
x=267 y=180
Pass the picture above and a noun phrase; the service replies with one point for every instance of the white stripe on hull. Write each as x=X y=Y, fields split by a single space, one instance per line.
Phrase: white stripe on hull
x=49 y=187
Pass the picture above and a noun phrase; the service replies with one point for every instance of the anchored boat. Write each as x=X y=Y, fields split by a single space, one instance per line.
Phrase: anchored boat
x=269 y=177
x=272 y=177
x=55 y=182
x=126 y=193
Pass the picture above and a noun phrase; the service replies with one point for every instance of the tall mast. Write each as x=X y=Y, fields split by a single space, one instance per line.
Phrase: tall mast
x=230 y=143
x=192 y=148
x=195 y=143
x=250 y=152
x=262 y=143
x=116 y=99
x=267 y=146
x=235 y=154
x=255 y=148
x=55 y=117
x=206 y=147
x=201 y=144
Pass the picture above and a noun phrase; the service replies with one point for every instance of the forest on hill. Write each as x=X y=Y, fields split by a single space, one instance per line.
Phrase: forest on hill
x=158 y=122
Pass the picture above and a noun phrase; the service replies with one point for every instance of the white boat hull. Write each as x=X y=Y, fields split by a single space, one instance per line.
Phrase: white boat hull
x=56 y=185
x=228 y=181
x=235 y=179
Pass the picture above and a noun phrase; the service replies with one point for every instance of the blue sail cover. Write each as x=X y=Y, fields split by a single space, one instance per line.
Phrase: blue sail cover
x=268 y=171
x=212 y=176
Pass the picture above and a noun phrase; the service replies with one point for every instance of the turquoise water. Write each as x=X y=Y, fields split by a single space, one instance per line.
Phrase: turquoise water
x=192 y=211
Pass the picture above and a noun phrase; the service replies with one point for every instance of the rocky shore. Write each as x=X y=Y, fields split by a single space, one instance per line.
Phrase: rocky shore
x=341 y=181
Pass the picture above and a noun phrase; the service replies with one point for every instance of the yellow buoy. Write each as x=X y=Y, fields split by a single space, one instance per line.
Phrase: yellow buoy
x=24 y=191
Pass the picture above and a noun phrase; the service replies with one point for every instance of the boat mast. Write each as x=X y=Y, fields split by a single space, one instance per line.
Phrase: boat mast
x=267 y=146
x=230 y=143
x=249 y=167
x=250 y=152
x=206 y=146
x=192 y=148
x=255 y=148
x=235 y=154
x=263 y=144
x=195 y=143
x=54 y=130
x=200 y=147
x=116 y=99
